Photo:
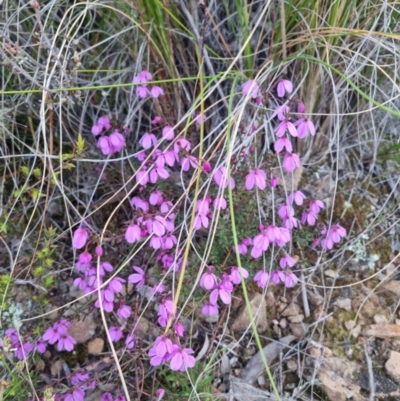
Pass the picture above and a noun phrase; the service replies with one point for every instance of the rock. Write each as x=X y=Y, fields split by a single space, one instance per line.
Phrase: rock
x=255 y=366
x=397 y=321
x=259 y=311
x=299 y=329
x=393 y=287
x=40 y=365
x=57 y=367
x=344 y=303
x=380 y=319
x=331 y=273
x=382 y=330
x=356 y=331
x=283 y=323
x=392 y=366
x=83 y=329
x=146 y=329
x=296 y=319
x=292 y=310
x=314 y=298
x=96 y=346
x=350 y=324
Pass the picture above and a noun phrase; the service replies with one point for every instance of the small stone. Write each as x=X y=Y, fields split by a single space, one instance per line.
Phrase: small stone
x=315 y=299
x=292 y=310
x=331 y=273
x=397 y=321
x=57 y=367
x=283 y=323
x=40 y=365
x=378 y=319
x=96 y=346
x=344 y=303
x=327 y=352
x=291 y=365
x=83 y=329
x=299 y=329
x=315 y=352
x=392 y=366
x=382 y=330
x=356 y=331
x=350 y=324
x=296 y=319
x=258 y=310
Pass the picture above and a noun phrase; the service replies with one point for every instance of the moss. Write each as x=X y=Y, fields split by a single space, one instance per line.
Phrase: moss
x=381 y=247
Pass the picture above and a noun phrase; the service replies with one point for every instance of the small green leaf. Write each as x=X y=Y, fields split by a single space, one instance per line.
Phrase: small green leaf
x=80 y=143
x=24 y=170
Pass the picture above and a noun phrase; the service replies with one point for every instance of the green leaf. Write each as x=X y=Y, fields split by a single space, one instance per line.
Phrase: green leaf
x=80 y=143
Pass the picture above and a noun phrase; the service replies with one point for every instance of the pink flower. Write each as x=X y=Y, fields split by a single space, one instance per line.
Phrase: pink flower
x=316 y=206
x=66 y=342
x=179 y=329
x=99 y=251
x=96 y=129
x=286 y=124
x=104 y=144
x=297 y=197
x=156 y=198
x=80 y=238
x=261 y=278
x=282 y=112
x=148 y=140
x=142 y=91
x=221 y=178
x=236 y=272
x=117 y=141
x=242 y=246
x=199 y=118
x=22 y=351
x=210 y=309
x=168 y=133
x=156 y=120
x=208 y=279
x=156 y=91
x=105 y=122
x=137 y=278
x=142 y=176
x=182 y=359
x=260 y=245
x=160 y=394
x=130 y=341
x=256 y=177
x=277 y=277
x=333 y=236
x=206 y=167
x=284 y=86
x=77 y=395
x=143 y=77
x=290 y=279
x=124 y=311
x=186 y=162
x=182 y=144
x=286 y=260
x=273 y=182
x=308 y=217
x=220 y=291
x=219 y=203
x=304 y=126
x=133 y=233
x=290 y=162
x=251 y=88
x=115 y=333
x=106 y=397
x=41 y=347
x=283 y=143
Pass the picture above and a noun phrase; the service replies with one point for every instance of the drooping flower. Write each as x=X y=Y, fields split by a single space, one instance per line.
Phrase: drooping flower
x=133 y=233
x=283 y=143
x=221 y=178
x=256 y=177
x=80 y=238
x=104 y=144
x=182 y=359
x=156 y=91
x=286 y=260
x=285 y=125
x=236 y=272
x=261 y=278
x=304 y=126
x=210 y=309
x=168 y=133
x=283 y=86
x=290 y=162
x=115 y=333
x=316 y=205
x=297 y=197
x=251 y=88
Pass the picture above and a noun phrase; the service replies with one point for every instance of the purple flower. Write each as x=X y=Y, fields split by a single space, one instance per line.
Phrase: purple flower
x=309 y=217
x=333 y=236
x=290 y=279
x=297 y=197
x=273 y=182
x=182 y=359
x=168 y=133
x=208 y=279
x=304 y=126
x=210 y=309
x=79 y=378
x=286 y=260
x=115 y=333
x=105 y=122
x=284 y=86
x=137 y=278
x=182 y=144
x=290 y=162
x=156 y=91
x=251 y=88
x=96 y=129
x=142 y=91
x=148 y=140
x=41 y=347
x=261 y=278
x=179 y=329
x=104 y=145
x=117 y=141
x=160 y=394
x=124 y=311
x=256 y=177
x=316 y=206
x=286 y=124
x=133 y=234
x=77 y=395
x=130 y=341
x=236 y=272
x=99 y=250
x=106 y=397
x=80 y=238
x=66 y=342
x=221 y=178
x=283 y=143
x=277 y=277
x=115 y=285
x=220 y=290
x=22 y=351
x=143 y=77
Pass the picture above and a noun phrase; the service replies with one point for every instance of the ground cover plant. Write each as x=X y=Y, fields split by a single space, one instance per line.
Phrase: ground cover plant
x=199 y=201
